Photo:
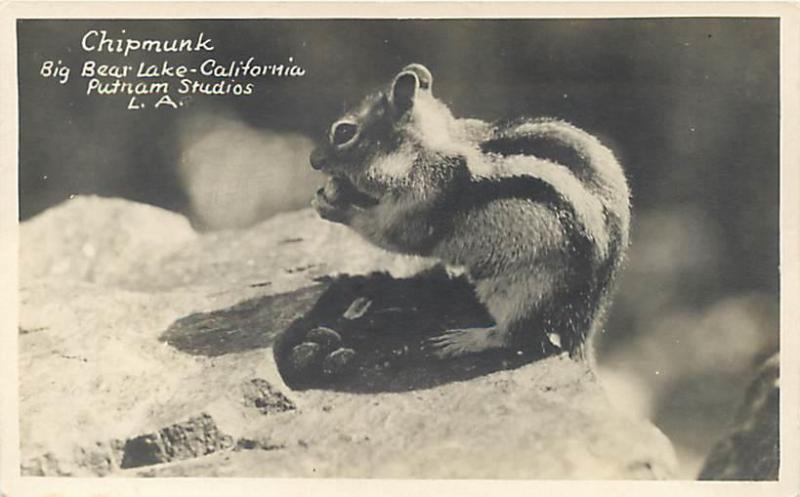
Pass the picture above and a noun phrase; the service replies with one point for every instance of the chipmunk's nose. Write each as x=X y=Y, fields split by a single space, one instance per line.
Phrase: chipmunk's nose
x=317 y=159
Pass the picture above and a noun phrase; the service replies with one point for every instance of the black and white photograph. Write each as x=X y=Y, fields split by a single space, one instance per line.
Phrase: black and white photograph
x=407 y=247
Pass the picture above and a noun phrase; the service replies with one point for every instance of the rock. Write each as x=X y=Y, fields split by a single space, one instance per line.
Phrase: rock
x=196 y=437
x=751 y=451
x=676 y=372
x=113 y=240
x=266 y=398
x=155 y=358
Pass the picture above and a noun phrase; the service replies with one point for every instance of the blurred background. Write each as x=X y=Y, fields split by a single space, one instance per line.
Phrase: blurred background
x=689 y=105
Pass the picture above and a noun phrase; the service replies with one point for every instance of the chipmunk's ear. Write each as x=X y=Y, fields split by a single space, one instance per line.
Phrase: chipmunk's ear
x=424 y=76
x=413 y=78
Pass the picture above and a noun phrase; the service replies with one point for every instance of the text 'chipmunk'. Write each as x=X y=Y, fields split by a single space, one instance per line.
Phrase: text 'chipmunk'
x=536 y=211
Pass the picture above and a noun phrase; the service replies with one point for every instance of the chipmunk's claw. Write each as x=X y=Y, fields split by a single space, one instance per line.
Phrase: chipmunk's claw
x=460 y=342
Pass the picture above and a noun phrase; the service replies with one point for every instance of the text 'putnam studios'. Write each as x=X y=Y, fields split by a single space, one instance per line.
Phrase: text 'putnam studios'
x=151 y=74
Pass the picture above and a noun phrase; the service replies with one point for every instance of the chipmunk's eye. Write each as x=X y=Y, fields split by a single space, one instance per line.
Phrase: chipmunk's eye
x=343 y=133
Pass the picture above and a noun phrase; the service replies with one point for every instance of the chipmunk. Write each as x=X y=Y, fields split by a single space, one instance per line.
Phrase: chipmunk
x=536 y=211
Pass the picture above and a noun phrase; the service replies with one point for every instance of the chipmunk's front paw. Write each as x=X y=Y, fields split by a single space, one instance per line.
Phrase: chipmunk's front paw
x=456 y=343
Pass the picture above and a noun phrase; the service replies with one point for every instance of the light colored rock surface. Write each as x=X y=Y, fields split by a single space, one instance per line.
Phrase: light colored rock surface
x=94 y=374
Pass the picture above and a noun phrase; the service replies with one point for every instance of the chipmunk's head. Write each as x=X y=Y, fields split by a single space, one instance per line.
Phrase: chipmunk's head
x=384 y=124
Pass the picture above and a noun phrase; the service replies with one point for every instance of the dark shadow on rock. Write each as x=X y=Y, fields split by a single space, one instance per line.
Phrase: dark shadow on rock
x=367 y=334
x=353 y=333
x=248 y=325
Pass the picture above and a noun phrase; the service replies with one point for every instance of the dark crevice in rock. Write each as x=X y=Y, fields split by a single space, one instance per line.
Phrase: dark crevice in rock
x=257 y=444
x=27 y=331
x=260 y=284
x=643 y=469
x=368 y=334
x=248 y=325
x=195 y=437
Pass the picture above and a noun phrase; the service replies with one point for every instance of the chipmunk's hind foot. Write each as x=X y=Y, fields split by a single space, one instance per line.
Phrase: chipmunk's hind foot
x=460 y=342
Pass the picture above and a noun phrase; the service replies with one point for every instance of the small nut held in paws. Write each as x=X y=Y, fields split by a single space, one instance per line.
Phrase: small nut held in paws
x=334 y=192
x=331 y=211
